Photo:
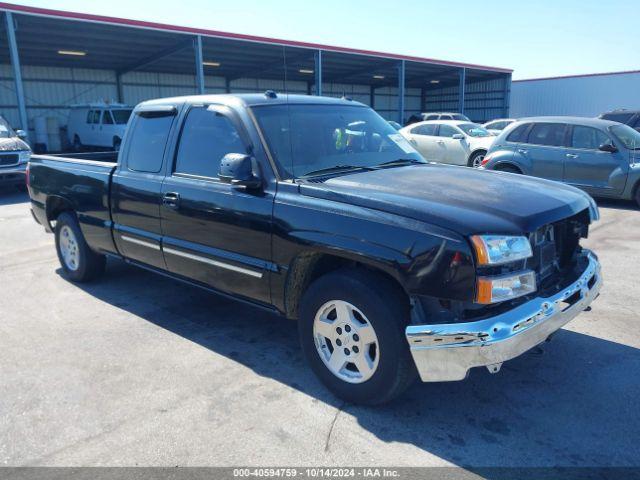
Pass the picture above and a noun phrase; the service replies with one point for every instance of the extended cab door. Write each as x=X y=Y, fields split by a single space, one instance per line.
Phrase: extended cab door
x=588 y=167
x=213 y=232
x=137 y=183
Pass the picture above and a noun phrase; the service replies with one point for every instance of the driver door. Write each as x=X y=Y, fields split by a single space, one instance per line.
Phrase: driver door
x=213 y=232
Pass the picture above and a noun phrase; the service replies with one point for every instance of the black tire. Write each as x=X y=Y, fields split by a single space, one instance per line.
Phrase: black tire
x=637 y=196
x=508 y=169
x=388 y=313
x=476 y=158
x=77 y=144
x=90 y=264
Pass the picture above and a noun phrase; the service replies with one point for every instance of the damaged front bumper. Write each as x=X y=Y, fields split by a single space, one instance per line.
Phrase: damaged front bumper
x=447 y=352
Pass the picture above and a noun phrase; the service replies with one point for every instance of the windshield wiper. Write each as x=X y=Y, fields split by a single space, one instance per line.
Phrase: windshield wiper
x=336 y=169
x=400 y=162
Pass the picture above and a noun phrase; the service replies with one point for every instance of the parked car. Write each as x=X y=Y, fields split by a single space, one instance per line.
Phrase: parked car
x=450 y=141
x=496 y=126
x=391 y=266
x=422 y=117
x=599 y=156
x=97 y=125
x=628 y=117
x=14 y=155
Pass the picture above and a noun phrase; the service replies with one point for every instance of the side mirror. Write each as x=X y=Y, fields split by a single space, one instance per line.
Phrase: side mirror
x=21 y=134
x=457 y=136
x=608 y=147
x=240 y=170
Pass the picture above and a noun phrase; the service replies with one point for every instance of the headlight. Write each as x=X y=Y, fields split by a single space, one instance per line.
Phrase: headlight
x=24 y=157
x=499 y=249
x=499 y=289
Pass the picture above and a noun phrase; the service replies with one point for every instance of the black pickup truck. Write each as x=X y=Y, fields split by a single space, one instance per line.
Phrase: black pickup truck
x=318 y=209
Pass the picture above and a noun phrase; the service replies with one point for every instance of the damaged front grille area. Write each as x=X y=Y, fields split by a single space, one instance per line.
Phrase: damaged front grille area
x=555 y=247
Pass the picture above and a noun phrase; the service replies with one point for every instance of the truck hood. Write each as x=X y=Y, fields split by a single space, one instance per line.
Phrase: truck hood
x=460 y=199
x=12 y=144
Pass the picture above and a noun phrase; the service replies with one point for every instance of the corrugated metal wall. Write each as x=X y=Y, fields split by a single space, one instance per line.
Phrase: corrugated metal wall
x=483 y=101
x=51 y=91
x=581 y=96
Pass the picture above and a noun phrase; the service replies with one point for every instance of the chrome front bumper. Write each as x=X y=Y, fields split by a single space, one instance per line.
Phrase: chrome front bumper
x=447 y=352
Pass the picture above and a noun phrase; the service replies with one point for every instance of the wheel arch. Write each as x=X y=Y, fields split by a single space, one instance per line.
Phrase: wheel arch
x=308 y=266
x=502 y=164
x=55 y=205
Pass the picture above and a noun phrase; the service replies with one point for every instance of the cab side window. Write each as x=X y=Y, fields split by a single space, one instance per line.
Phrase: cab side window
x=588 y=138
x=148 y=141
x=207 y=136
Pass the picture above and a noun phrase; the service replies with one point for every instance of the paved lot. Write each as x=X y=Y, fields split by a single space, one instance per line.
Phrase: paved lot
x=139 y=370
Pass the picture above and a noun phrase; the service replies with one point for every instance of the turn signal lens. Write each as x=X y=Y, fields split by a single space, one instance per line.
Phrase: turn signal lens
x=499 y=289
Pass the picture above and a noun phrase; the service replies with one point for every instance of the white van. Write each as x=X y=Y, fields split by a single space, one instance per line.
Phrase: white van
x=97 y=125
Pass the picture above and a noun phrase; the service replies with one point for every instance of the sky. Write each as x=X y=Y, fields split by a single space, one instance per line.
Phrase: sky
x=538 y=38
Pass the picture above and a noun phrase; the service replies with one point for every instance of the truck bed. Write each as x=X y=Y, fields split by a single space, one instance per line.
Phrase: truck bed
x=81 y=183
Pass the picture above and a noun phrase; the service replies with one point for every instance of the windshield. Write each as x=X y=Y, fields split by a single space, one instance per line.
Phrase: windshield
x=474 y=130
x=305 y=139
x=459 y=116
x=121 y=116
x=627 y=135
x=5 y=129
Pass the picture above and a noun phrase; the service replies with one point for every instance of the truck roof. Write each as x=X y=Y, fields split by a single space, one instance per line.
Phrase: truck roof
x=254 y=99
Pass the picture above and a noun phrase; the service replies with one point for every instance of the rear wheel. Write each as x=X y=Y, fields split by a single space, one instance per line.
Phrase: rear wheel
x=637 y=195
x=352 y=333
x=475 y=160
x=77 y=144
x=78 y=261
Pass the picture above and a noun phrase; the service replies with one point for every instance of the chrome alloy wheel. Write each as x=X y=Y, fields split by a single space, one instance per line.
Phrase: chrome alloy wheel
x=69 y=248
x=346 y=341
x=477 y=160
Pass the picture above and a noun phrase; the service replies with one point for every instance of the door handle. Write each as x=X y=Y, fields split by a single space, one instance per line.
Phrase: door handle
x=572 y=155
x=441 y=142
x=523 y=151
x=171 y=200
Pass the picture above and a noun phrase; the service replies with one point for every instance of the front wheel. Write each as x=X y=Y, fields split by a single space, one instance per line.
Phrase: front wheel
x=476 y=159
x=352 y=333
x=78 y=261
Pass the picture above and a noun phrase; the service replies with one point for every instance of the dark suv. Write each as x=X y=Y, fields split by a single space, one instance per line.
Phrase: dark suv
x=628 y=117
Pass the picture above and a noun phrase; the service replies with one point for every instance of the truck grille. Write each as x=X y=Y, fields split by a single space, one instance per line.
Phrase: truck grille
x=555 y=246
x=9 y=159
